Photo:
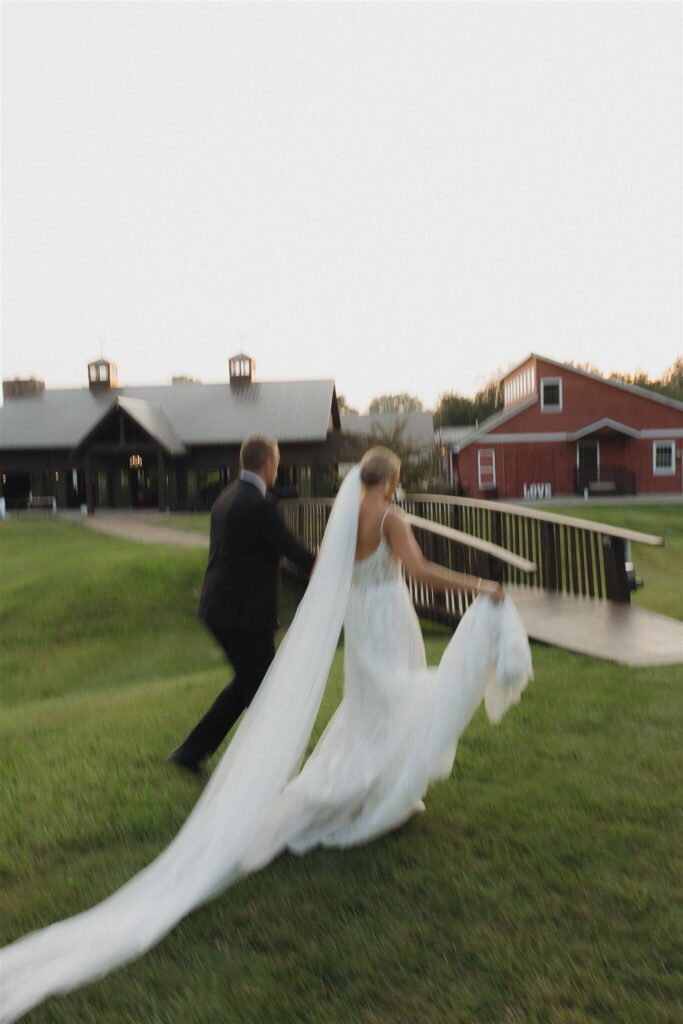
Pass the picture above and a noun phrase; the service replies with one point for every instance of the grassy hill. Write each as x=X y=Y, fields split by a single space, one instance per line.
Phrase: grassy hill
x=542 y=885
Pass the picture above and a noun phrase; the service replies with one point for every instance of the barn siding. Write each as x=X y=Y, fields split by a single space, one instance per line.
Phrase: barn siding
x=585 y=400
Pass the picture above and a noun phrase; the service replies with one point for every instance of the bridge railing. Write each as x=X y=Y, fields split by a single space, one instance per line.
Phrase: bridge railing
x=512 y=543
x=308 y=517
x=573 y=556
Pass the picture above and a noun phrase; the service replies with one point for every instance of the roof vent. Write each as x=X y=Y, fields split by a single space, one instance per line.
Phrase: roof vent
x=102 y=375
x=19 y=388
x=242 y=369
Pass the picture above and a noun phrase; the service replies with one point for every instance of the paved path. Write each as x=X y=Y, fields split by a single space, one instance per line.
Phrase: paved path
x=138 y=526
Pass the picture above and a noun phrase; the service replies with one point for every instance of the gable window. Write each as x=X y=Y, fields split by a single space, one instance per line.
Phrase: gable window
x=663 y=456
x=551 y=394
x=486 y=465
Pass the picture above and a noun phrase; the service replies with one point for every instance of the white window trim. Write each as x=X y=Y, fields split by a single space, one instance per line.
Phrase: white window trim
x=662 y=470
x=551 y=380
x=492 y=453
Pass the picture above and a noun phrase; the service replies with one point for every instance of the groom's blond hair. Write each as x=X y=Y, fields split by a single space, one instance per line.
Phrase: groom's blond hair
x=378 y=465
x=256 y=450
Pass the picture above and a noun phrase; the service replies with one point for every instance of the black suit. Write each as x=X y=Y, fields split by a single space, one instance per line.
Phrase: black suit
x=239 y=603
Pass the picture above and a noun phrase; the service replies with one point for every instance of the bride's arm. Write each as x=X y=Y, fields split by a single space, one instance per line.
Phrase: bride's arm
x=403 y=544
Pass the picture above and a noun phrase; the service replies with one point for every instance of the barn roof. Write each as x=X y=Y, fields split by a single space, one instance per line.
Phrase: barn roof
x=176 y=415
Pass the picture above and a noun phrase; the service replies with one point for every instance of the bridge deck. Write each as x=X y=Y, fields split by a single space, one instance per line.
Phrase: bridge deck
x=623 y=633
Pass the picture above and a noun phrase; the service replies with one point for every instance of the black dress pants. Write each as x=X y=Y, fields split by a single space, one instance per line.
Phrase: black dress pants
x=251 y=655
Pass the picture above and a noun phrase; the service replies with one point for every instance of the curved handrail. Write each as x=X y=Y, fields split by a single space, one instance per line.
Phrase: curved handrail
x=516 y=561
x=548 y=517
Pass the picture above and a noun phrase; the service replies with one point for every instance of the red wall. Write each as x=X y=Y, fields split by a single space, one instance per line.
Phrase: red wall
x=554 y=462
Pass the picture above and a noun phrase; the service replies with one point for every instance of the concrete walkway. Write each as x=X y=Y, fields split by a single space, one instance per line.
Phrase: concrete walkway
x=138 y=526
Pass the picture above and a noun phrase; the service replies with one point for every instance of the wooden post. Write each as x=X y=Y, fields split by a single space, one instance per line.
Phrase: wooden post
x=161 y=473
x=615 y=570
x=549 y=555
x=89 y=489
x=496 y=567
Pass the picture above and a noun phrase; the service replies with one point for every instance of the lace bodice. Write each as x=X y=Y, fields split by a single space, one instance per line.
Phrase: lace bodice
x=379 y=567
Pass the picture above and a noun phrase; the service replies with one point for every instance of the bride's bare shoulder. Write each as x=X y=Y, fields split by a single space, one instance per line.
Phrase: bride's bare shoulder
x=394 y=515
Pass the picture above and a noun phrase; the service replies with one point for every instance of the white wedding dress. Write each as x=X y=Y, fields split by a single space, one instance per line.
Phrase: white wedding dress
x=395 y=730
x=397 y=727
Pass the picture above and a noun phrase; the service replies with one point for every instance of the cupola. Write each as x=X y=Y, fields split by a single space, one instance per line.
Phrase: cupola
x=21 y=388
x=242 y=369
x=102 y=375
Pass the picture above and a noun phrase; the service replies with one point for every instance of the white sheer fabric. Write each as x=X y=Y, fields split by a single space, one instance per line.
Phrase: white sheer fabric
x=396 y=729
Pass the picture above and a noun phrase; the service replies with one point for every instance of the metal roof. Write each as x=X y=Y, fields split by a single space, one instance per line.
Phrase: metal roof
x=176 y=414
x=493 y=421
x=419 y=426
x=452 y=435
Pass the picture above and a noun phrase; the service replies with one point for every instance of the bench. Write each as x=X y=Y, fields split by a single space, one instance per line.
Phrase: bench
x=44 y=502
x=602 y=487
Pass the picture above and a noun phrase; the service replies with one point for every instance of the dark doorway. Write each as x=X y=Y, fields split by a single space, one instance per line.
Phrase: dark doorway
x=75 y=488
x=144 y=488
x=16 y=488
x=587 y=463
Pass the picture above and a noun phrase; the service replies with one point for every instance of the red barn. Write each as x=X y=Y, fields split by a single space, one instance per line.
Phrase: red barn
x=563 y=430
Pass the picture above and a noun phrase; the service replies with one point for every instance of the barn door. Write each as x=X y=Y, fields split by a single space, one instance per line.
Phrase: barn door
x=587 y=462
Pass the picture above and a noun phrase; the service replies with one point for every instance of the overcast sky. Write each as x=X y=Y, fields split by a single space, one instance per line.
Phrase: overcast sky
x=403 y=197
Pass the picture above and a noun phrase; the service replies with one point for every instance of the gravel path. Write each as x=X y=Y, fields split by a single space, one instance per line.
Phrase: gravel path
x=136 y=526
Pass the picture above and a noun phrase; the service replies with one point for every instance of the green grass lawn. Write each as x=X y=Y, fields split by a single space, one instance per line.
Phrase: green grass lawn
x=543 y=884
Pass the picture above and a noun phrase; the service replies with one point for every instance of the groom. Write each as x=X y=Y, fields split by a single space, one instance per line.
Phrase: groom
x=239 y=599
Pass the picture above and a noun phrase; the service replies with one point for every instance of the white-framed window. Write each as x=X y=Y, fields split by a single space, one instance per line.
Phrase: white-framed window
x=486 y=466
x=664 y=458
x=551 y=394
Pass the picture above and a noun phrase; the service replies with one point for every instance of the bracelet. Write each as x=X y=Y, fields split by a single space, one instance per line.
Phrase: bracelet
x=478 y=590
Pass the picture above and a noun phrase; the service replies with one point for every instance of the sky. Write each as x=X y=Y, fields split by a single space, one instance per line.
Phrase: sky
x=398 y=196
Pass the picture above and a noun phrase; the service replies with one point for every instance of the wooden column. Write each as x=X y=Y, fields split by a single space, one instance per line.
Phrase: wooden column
x=89 y=489
x=161 y=473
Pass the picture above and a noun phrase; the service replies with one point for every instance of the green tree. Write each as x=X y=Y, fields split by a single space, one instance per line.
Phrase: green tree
x=489 y=397
x=419 y=465
x=672 y=380
x=455 y=410
x=402 y=403
x=344 y=408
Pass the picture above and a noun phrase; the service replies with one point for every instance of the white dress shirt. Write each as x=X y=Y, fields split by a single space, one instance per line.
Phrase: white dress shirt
x=255 y=479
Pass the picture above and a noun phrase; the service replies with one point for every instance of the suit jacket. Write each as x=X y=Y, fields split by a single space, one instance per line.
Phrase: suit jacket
x=241 y=583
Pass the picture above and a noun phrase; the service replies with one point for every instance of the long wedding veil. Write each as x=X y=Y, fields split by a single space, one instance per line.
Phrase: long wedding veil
x=206 y=855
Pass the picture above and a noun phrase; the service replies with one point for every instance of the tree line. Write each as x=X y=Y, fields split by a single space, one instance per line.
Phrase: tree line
x=454 y=409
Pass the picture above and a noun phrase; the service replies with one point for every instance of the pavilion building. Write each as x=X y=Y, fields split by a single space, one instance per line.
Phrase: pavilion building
x=165 y=446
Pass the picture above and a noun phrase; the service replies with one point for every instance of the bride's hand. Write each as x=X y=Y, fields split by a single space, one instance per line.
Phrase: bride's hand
x=492 y=590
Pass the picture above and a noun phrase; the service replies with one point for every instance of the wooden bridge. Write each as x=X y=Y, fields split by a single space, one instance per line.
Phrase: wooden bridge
x=566 y=575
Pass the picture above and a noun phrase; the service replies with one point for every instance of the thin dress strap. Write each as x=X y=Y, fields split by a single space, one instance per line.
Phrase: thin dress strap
x=386 y=513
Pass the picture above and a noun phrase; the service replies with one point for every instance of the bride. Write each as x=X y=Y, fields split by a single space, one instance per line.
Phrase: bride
x=395 y=730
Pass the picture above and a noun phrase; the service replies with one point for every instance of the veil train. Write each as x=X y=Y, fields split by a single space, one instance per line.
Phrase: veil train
x=212 y=849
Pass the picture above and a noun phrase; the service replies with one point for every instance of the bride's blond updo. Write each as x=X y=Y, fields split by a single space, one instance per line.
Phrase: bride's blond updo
x=378 y=466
